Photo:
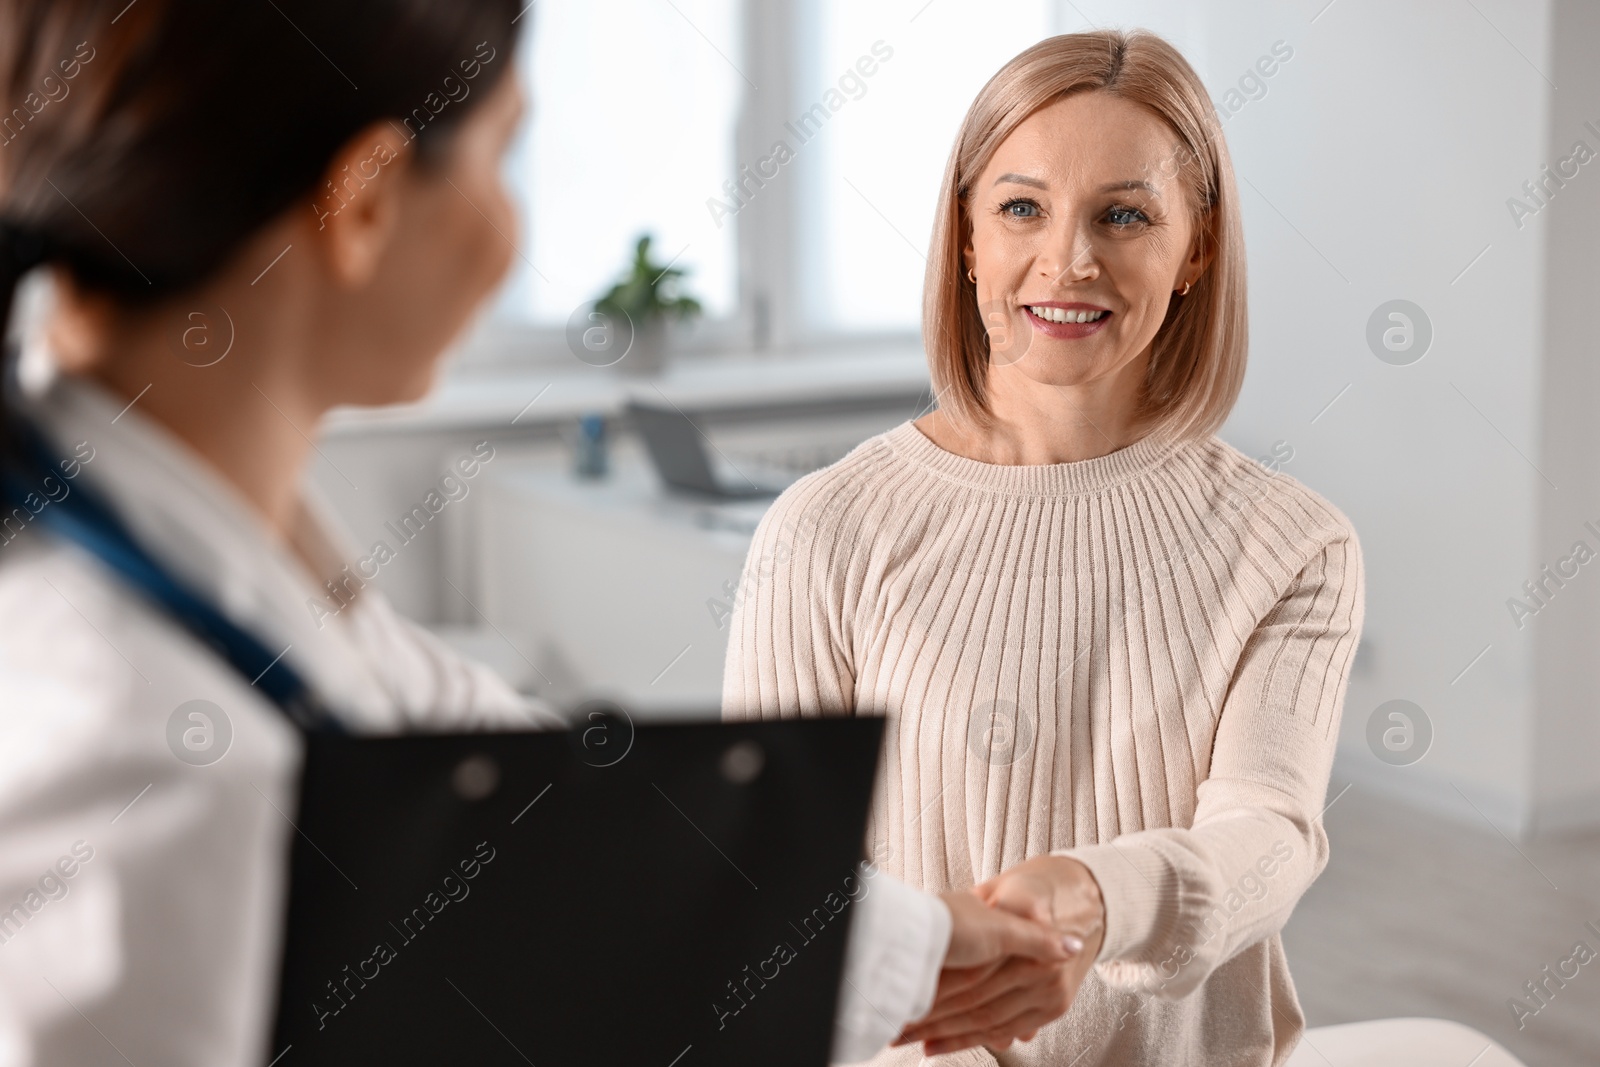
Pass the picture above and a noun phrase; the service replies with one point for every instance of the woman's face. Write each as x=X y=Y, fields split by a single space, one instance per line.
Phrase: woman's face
x=450 y=249
x=1080 y=211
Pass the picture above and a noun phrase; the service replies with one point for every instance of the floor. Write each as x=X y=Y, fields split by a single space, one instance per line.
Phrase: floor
x=1417 y=915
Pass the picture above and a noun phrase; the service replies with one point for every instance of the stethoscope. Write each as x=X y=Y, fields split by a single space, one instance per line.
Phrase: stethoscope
x=82 y=518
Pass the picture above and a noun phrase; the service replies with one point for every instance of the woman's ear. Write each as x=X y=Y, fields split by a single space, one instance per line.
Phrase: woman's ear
x=969 y=257
x=355 y=206
x=1202 y=250
x=82 y=321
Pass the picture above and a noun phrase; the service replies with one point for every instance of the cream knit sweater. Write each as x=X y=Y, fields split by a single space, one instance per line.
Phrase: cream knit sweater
x=1138 y=660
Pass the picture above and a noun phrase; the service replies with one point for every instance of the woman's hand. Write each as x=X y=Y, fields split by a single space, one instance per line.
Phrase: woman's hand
x=982 y=936
x=1055 y=890
x=996 y=959
x=993 y=1003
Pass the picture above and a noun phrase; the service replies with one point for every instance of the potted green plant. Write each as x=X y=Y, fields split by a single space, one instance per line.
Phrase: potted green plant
x=643 y=301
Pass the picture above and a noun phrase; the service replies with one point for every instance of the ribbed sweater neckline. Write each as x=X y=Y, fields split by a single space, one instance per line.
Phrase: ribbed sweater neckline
x=1083 y=477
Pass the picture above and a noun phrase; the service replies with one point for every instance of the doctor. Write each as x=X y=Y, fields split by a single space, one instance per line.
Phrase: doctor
x=251 y=213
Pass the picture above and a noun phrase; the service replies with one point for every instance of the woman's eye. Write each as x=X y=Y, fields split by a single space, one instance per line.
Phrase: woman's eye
x=1126 y=216
x=1020 y=209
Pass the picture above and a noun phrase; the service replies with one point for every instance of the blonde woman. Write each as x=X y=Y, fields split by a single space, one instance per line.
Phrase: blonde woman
x=1111 y=648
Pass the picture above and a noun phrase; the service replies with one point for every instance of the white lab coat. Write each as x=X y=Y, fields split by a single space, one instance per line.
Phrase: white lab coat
x=141 y=895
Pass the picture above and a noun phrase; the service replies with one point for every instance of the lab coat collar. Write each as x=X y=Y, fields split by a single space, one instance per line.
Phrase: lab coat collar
x=195 y=523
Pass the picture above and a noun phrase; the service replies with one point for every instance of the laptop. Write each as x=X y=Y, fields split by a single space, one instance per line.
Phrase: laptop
x=674 y=895
x=679 y=452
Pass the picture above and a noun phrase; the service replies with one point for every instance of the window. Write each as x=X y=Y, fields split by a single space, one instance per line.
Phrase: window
x=867 y=194
x=664 y=116
x=631 y=125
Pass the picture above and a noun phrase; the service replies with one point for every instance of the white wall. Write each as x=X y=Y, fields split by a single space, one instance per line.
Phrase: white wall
x=1566 y=750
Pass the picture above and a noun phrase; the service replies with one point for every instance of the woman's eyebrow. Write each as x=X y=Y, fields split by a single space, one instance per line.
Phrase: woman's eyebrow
x=1112 y=187
x=1022 y=179
x=1132 y=183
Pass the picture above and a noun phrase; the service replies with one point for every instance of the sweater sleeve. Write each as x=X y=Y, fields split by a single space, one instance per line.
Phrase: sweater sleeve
x=1181 y=902
x=788 y=650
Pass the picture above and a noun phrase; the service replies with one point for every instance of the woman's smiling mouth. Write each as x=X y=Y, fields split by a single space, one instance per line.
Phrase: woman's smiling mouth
x=1066 y=320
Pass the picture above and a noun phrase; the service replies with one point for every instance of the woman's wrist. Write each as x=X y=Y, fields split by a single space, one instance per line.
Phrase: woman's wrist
x=1140 y=902
x=1079 y=905
x=1057 y=889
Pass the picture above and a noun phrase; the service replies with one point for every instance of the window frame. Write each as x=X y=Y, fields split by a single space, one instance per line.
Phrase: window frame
x=777 y=42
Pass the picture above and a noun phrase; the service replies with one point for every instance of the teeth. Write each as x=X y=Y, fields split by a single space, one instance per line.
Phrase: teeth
x=1063 y=315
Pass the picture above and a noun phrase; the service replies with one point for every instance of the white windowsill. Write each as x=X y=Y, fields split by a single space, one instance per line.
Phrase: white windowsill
x=552 y=393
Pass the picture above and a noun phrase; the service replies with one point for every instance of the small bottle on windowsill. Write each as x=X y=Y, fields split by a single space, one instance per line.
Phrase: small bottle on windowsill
x=589 y=458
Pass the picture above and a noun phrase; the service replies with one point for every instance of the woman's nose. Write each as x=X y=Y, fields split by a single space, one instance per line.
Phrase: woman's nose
x=1070 y=258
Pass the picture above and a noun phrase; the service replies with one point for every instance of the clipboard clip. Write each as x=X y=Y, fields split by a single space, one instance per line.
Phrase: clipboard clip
x=601 y=733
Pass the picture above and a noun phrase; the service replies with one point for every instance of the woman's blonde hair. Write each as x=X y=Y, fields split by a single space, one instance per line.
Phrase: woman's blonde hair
x=1197 y=361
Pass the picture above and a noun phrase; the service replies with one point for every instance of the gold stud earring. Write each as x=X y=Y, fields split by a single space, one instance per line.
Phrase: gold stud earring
x=971 y=277
x=1185 y=290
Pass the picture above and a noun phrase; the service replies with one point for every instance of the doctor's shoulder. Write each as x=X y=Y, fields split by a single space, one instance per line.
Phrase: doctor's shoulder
x=92 y=677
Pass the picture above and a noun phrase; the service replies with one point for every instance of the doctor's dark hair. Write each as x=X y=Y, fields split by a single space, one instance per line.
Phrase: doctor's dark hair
x=142 y=144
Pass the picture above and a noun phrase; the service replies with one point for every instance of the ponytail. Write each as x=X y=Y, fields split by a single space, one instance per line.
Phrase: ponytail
x=21 y=250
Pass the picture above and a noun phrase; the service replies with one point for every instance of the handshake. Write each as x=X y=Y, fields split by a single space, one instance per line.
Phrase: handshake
x=1020 y=946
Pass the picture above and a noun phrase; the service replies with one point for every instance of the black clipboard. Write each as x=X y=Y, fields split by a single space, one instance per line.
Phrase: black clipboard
x=664 y=895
